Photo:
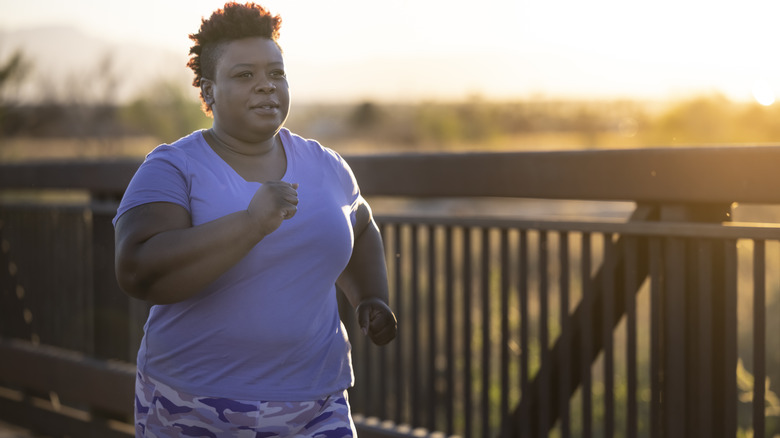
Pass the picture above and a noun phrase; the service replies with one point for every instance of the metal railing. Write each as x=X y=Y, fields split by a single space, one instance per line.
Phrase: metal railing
x=651 y=322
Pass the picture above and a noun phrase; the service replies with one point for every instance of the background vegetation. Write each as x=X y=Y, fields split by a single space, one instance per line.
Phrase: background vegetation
x=81 y=115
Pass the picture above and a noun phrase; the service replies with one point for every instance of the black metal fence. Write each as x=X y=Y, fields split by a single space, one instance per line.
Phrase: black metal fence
x=629 y=330
x=653 y=323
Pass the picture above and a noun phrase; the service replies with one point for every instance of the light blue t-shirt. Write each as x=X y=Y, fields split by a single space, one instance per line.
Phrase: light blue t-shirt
x=268 y=329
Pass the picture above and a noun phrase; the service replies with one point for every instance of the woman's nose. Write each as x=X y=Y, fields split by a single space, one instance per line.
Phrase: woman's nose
x=265 y=87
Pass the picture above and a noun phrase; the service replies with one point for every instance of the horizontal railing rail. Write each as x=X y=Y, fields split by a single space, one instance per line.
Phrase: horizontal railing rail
x=652 y=175
x=650 y=324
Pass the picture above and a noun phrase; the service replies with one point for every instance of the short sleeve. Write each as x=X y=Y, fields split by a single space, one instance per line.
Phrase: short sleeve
x=349 y=184
x=162 y=177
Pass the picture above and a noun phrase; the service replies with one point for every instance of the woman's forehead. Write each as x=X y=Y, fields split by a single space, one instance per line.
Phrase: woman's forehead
x=252 y=51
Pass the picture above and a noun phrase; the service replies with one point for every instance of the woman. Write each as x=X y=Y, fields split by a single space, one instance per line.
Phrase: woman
x=238 y=235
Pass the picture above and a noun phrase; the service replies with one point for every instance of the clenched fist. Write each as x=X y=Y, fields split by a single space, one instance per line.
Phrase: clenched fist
x=376 y=320
x=273 y=202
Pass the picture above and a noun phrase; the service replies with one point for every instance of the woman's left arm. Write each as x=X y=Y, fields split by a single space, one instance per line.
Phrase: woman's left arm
x=364 y=280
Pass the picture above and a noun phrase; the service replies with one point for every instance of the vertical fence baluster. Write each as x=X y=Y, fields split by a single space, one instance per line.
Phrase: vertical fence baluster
x=631 y=285
x=608 y=303
x=450 y=331
x=704 y=300
x=544 y=339
x=504 y=310
x=414 y=310
x=759 y=336
x=585 y=356
x=432 y=399
x=400 y=358
x=524 y=427
x=675 y=340
x=565 y=359
x=729 y=377
x=486 y=322
x=656 y=336
x=468 y=404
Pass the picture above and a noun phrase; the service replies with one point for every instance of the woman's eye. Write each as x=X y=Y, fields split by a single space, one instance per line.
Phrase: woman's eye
x=245 y=74
x=278 y=74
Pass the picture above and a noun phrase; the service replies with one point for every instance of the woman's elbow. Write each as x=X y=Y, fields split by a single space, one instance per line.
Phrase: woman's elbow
x=133 y=278
x=131 y=281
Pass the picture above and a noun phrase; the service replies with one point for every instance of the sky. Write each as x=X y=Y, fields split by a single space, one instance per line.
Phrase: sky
x=497 y=49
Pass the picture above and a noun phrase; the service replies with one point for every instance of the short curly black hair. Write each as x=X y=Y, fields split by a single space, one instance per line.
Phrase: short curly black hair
x=234 y=21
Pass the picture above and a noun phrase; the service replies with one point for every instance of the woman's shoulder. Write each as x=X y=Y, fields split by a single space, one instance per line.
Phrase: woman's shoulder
x=178 y=153
x=182 y=146
x=310 y=147
x=323 y=157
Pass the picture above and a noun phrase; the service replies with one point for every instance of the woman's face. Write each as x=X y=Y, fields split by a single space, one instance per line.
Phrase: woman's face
x=250 y=95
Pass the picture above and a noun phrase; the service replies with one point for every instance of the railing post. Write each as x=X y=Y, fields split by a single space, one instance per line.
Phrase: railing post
x=697 y=360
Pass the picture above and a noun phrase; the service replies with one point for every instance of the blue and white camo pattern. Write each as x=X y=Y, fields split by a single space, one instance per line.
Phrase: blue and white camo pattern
x=164 y=412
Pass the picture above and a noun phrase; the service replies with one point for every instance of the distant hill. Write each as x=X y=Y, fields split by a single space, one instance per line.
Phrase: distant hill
x=64 y=57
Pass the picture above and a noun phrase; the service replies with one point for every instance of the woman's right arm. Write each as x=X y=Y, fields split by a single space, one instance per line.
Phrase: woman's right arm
x=163 y=259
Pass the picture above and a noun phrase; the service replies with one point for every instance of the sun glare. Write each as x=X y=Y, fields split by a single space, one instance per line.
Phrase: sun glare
x=763 y=93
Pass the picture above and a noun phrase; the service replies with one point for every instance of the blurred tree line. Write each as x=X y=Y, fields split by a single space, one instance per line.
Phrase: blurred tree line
x=87 y=106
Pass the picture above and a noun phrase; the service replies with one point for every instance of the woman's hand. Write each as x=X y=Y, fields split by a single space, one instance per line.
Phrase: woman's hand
x=377 y=320
x=273 y=202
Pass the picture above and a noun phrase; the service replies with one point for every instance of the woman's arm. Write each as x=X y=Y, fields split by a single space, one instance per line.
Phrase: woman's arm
x=163 y=259
x=364 y=280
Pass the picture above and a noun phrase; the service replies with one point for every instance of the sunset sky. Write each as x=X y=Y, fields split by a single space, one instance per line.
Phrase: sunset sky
x=451 y=49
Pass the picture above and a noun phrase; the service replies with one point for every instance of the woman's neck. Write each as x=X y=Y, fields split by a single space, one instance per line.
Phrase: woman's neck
x=232 y=146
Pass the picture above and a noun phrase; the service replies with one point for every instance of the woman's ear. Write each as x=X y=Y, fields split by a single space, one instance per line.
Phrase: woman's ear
x=207 y=91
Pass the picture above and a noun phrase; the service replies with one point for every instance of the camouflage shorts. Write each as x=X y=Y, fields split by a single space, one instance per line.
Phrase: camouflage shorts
x=162 y=411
